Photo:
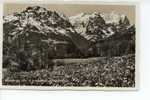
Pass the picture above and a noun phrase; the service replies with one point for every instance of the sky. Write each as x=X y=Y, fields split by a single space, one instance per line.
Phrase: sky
x=74 y=9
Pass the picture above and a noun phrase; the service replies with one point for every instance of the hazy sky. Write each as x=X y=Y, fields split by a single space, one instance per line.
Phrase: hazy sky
x=73 y=9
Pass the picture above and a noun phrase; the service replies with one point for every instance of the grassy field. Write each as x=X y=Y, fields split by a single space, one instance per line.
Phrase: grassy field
x=100 y=72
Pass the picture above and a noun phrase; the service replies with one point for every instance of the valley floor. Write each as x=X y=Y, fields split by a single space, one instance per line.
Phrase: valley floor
x=96 y=72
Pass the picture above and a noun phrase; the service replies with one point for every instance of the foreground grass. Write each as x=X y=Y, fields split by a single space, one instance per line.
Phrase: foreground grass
x=102 y=72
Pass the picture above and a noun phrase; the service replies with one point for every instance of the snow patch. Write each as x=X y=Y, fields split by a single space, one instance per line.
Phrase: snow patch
x=10 y=18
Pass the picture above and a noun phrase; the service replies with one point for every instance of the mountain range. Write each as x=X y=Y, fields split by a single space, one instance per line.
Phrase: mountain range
x=37 y=29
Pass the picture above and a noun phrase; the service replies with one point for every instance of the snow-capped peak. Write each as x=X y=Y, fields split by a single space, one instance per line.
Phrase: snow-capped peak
x=113 y=17
x=40 y=20
x=98 y=25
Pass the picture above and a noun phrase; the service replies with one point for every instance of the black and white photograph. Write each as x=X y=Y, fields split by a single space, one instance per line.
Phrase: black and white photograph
x=69 y=45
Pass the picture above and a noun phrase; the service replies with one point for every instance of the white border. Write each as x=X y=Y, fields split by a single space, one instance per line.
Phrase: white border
x=136 y=4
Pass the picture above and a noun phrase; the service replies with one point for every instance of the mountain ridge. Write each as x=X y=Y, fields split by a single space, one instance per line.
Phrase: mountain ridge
x=82 y=31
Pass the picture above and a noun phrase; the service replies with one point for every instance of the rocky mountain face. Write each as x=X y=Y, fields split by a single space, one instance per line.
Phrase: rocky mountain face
x=37 y=25
x=109 y=34
x=97 y=26
x=37 y=34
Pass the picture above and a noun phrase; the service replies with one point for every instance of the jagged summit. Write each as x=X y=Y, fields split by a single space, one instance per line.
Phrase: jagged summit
x=36 y=8
x=96 y=26
x=91 y=26
x=114 y=18
x=40 y=18
x=36 y=12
